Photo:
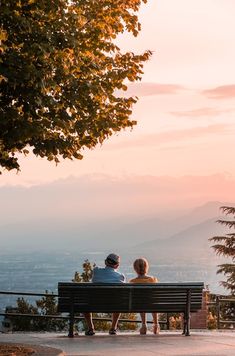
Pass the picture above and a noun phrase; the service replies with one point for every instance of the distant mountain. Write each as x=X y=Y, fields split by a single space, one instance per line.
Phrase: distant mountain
x=209 y=210
x=189 y=233
x=155 y=228
x=188 y=244
x=68 y=234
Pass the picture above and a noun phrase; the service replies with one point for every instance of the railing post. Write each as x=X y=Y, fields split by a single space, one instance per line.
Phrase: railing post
x=218 y=311
x=130 y=299
x=167 y=321
x=187 y=314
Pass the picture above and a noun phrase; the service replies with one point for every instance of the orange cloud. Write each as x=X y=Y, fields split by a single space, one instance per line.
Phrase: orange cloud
x=221 y=92
x=201 y=112
x=149 y=89
x=175 y=136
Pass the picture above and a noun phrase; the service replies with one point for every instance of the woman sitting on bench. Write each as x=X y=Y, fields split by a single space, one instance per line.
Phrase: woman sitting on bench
x=141 y=267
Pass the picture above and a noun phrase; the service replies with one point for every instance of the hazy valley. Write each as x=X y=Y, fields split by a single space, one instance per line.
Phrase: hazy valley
x=48 y=231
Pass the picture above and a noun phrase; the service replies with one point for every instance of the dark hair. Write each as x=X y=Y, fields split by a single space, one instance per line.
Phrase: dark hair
x=111 y=262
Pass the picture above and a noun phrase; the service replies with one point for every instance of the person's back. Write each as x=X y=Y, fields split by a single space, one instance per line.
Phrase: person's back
x=141 y=267
x=107 y=275
x=144 y=279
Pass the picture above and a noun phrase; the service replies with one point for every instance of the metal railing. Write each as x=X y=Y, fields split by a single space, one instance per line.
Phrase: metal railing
x=217 y=304
x=65 y=317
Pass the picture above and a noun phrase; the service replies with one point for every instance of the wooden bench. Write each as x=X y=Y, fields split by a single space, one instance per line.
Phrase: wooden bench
x=125 y=298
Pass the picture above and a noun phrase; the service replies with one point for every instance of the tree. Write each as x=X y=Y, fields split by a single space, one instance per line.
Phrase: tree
x=60 y=75
x=23 y=324
x=86 y=275
x=47 y=305
x=225 y=246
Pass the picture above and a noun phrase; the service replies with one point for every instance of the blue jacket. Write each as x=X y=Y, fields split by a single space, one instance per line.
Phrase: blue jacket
x=107 y=275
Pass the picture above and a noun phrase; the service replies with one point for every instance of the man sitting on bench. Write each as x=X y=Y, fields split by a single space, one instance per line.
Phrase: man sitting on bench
x=108 y=274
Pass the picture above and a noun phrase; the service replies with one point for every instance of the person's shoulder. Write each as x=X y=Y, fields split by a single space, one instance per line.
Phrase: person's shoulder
x=97 y=270
x=98 y=274
x=133 y=280
x=153 y=279
x=121 y=276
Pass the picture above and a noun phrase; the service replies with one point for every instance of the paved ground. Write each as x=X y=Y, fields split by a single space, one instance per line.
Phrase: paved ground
x=125 y=344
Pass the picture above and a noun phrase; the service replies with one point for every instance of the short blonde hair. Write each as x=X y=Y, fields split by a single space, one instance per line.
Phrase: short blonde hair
x=141 y=265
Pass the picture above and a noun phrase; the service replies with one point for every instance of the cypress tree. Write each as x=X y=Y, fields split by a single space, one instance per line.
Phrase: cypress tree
x=225 y=246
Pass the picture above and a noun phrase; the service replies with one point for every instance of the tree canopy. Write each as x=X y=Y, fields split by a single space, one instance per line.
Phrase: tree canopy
x=225 y=246
x=60 y=74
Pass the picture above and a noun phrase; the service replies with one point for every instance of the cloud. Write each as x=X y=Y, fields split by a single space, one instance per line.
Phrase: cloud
x=71 y=202
x=150 y=89
x=221 y=92
x=201 y=112
x=175 y=136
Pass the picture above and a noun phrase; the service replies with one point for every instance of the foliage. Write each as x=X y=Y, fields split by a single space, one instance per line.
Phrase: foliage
x=225 y=246
x=175 y=322
x=23 y=324
x=60 y=74
x=129 y=325
x=48 y=306
x=211 y=321
x=226 y=311
x=45 y=306
x=86 y=275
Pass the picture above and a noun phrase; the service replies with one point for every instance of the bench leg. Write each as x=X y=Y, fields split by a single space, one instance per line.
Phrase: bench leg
x=186 y=326
x=71 y=318
x=71 y=325
x=187 y=329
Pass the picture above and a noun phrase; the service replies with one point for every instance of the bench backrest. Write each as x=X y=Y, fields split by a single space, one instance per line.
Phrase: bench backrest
x=129 y=297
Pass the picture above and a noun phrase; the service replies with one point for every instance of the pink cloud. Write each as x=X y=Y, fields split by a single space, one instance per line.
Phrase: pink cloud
x=175 y=136
x=149 y=89
x=209 y=112
x=106 y=196
x=221 y=92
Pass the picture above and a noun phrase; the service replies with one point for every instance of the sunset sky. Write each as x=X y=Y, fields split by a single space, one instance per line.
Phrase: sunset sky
x=186 y=104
